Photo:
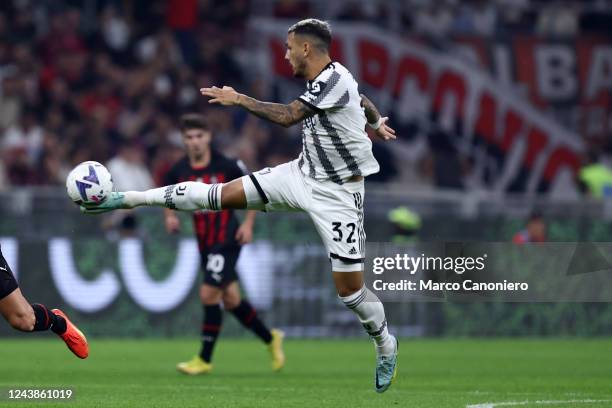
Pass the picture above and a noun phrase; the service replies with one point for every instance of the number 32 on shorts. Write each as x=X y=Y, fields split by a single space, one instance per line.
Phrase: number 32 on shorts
x=337 y=228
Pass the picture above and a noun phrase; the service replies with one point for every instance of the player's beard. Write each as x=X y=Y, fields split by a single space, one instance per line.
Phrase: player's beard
x=299 y=71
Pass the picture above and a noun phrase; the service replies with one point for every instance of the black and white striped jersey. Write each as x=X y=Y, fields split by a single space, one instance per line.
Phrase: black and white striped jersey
x=335 y=145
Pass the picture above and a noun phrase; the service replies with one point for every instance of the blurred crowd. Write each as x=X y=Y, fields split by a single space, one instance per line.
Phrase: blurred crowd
x=109 y=84
x=554 y=18
x=107 y=80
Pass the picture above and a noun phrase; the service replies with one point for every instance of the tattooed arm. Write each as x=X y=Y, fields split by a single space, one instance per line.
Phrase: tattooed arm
x=284 y=115
x=375 y=119
x=371 y=112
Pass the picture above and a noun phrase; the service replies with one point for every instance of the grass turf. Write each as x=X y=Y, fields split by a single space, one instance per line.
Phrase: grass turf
x=319 y=373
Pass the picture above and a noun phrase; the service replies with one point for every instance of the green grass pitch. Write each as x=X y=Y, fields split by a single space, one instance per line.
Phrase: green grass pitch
x=319 y=373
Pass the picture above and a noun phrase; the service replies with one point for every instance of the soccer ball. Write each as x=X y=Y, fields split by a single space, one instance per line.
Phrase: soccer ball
x=89 y=183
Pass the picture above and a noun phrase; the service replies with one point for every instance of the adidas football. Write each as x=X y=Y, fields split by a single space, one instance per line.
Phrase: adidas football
x=89 y=183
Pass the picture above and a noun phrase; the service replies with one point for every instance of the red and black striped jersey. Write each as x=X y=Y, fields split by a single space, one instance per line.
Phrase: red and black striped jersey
x=214 y=229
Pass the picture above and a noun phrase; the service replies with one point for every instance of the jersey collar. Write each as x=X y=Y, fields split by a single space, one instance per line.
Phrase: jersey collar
x=329 y=64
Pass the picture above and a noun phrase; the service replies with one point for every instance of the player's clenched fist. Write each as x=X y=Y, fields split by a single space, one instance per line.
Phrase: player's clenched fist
x=224 y=96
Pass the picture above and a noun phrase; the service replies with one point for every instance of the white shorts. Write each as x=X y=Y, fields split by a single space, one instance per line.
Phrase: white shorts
x=336 y=210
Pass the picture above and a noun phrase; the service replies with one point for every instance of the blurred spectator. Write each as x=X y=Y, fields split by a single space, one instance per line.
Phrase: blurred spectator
x=558 y=19
x=103 y=103
x=475 y=17
x=115 y=31
x=10 y=97
x=433 y=20
x=182 y=18
x=129 y=169
x=25 y=136
x=53 y=166
x=371 y=11
x=60 y=105
x=295 y=9
x=4 y=184
x=19 y=171
x=129 y=173
x=406 y=224
x=595 y=178
x=535 y=230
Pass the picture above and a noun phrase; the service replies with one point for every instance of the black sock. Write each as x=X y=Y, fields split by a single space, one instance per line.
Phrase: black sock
x=210 y=330
x=246 y=315
x=45 y=320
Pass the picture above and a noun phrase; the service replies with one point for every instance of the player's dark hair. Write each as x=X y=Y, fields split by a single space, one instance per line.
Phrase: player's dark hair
x=193 y=121
x=316 y=29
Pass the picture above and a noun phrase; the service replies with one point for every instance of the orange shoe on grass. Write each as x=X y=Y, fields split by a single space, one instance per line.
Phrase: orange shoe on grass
x=73 y=337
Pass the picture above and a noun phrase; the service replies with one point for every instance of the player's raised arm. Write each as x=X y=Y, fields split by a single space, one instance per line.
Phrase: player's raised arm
x=284 y=115
x=375 y=120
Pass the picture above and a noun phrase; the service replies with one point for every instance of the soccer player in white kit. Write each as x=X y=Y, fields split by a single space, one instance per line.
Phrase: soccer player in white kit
x=326 y=180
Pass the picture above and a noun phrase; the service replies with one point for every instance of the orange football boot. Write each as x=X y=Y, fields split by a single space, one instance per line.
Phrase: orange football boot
x=73 y=337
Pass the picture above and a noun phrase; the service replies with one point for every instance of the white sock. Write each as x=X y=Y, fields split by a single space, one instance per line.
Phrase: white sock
x=371 y=314
x=185 y=196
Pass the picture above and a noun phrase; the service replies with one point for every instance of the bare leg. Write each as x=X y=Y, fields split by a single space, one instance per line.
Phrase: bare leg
x=210 y=295
x=348 y=283
x=233 y=196
x=17 y=311
x=231 y=296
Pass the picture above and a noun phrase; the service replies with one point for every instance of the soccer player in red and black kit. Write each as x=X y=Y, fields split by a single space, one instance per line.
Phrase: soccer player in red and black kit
x=27 y=317
x=220 y=237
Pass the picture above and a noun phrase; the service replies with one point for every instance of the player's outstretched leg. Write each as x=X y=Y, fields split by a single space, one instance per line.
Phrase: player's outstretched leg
x=36 y=317
x=247 y=316
x=371 y=313
x=27 y=317
x=185 y=196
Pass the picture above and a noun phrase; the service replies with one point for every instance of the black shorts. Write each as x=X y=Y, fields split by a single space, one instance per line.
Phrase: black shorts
x=7 y=281
x=220 y=266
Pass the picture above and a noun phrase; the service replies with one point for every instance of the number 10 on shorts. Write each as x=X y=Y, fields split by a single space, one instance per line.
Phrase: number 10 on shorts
x=215 y=264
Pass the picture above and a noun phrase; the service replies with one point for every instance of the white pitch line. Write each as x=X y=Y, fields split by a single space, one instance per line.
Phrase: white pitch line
x=541 y=402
